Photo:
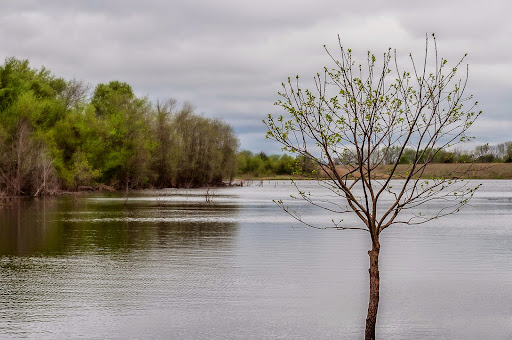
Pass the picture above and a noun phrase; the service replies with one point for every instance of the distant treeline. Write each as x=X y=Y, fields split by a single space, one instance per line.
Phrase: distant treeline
x=263 y=165
x=501 y=153
x=55 y=134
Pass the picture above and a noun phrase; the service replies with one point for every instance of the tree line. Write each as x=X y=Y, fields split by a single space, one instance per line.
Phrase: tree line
x=500 y=153
x=57 y=134
x=261 y=165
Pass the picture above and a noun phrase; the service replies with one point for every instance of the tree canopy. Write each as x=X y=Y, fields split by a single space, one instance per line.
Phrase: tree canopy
x=55 y=135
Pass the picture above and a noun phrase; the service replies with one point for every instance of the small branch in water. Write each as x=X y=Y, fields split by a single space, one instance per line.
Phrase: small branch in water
x=209 y=195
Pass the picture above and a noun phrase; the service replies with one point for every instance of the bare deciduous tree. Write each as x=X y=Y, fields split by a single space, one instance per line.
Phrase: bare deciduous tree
x=163 y=134
x=74 y=93
x=362 y=112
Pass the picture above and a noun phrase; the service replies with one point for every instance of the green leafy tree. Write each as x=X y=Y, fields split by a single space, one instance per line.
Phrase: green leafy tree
x=125 y=134
x=112 y=97
x=29 y=108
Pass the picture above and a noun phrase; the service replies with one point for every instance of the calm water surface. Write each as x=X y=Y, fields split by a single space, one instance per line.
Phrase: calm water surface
x=167 y=265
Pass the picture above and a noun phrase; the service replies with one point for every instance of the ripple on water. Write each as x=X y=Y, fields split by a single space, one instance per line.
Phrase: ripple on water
x=169 y=265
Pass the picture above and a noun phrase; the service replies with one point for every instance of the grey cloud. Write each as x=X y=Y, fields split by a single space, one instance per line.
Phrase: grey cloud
x=229 y=57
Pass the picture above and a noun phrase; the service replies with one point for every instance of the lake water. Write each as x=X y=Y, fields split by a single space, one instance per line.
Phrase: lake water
x=168 y=265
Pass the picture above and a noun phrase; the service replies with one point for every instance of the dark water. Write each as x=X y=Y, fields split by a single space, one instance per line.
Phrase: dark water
x=168 y=265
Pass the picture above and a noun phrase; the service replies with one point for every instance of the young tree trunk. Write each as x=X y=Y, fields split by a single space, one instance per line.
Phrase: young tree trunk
x=373 y=303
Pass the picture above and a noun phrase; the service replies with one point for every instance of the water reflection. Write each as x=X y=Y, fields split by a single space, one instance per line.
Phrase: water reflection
x=167 y=265
x=51 y=226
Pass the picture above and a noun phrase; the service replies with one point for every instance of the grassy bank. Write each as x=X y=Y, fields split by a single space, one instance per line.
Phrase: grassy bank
x=452 y=170
x=446 y=170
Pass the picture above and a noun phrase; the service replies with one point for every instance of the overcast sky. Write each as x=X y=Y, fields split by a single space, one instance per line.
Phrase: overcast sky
x=228 y=58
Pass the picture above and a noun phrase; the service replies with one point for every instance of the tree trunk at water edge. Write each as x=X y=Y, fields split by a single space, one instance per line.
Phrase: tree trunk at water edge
x=373 y=303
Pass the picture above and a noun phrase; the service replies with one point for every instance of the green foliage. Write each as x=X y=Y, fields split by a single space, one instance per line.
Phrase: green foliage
x=481 y=154
x=261 y=164
x=407 y=156
x=29 y=111
x=111 y=97
x=82 y=172
x=52 y=137
x=207 y=150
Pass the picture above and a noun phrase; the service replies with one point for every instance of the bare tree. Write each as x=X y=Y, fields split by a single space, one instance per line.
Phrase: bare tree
x=74 y=93
x=163 y=134
x=361 y=109
x=26 y=167
x=44 y=177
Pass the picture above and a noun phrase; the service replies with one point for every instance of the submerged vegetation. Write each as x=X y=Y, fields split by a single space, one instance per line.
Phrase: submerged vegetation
x=56 y=135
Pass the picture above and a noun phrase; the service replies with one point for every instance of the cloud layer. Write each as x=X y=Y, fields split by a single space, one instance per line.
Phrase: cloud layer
x=229 y=57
